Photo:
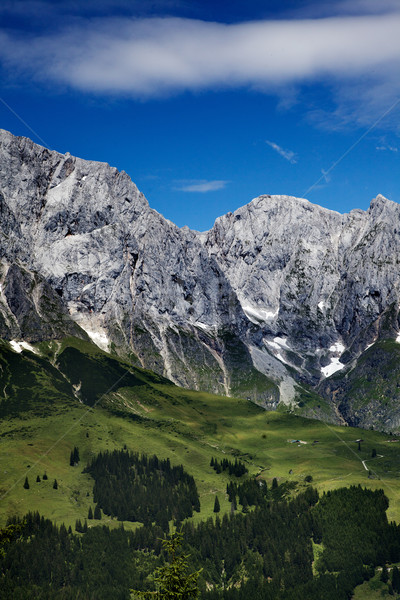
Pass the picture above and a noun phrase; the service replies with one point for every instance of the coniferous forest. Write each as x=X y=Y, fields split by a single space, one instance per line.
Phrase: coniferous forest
x=266 y=553
x=135 y=487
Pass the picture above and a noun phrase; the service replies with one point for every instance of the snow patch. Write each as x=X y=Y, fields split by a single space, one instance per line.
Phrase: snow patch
x=202 y=326
x=280 y=357
x=337 y=347
x=273 y=345
x=278 y=343
x=397 y=339
x=334 y=365
x=321 y=305
x=257 y=315
x=282 y=342
x=19 y=346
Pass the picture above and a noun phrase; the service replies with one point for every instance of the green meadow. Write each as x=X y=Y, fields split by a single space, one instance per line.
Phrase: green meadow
x=148 y=414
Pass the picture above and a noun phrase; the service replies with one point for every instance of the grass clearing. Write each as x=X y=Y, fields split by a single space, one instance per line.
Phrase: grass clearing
x=156 y=417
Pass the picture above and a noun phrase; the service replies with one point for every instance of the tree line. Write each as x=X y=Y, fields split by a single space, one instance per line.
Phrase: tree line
x=234 y=468
x=262 y=554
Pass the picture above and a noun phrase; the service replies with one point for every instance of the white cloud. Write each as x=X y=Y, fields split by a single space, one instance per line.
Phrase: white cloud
x=359 y=56
x=390 y=148
x=201 y=185
x=287 y=154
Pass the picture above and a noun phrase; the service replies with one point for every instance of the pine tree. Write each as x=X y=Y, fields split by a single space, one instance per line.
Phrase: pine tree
x=396 y=579
x=172 y=580
x=373 y=453
x=385 y=574
x=217 y=507
x=74 y=457
x=55 y=485
x=38 y=479
x=90 y=513
x=26 y=483
x=45 y=476
x=97 y=512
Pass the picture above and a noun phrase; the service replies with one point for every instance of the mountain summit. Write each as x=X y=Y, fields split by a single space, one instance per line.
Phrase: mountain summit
x=278 y=295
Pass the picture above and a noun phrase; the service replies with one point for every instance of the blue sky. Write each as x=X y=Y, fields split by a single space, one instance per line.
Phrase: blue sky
x=209 y=104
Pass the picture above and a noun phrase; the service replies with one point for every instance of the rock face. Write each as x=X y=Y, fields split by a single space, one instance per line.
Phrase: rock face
x=279 y=294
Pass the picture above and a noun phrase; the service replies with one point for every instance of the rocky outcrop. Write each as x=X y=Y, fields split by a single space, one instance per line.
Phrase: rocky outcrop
x=128 y=276
x=279 y=293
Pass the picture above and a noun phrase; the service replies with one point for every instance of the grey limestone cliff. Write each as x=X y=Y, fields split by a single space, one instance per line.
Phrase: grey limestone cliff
x=279 y=294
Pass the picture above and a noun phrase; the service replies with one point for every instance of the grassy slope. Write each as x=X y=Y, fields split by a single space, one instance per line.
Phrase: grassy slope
x=374 y=589
x=154 y=416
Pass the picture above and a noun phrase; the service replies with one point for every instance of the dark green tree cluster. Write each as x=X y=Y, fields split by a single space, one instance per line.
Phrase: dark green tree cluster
x=47 y=562
x=234 y=468
x=265 y=554
x=273 y=543
x=172 y=580
x=355 y=518
x=135 y=487
x=96 y=514
x=74 y=457
x=254 y=492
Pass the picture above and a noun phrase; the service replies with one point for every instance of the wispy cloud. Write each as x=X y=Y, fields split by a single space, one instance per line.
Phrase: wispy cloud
x=287 y=154
x=154 y=57
x=326 y=175
x=390 y=148
x=200 y=185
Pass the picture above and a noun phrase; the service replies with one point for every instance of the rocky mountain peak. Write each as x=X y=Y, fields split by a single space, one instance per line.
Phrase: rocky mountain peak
x=279 y=292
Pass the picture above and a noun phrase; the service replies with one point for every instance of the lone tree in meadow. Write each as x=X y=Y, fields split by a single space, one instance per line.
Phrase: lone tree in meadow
x=26 y=483
x=217 y=507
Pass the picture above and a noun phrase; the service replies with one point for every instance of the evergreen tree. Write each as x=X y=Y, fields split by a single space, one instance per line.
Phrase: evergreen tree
x=373 y=453
x=172 y=580
x=55 y=485
x=74 y=457
x=385 y=574
x=38 y=479
x=45 y=476
x=274 y=483
x=217 y=507
x=396 y=579
x=90 y=513
x=26 y=483
x=97 y=512
x=78 y=525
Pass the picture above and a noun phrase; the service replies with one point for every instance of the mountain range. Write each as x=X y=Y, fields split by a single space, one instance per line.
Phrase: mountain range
x=282 y=302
